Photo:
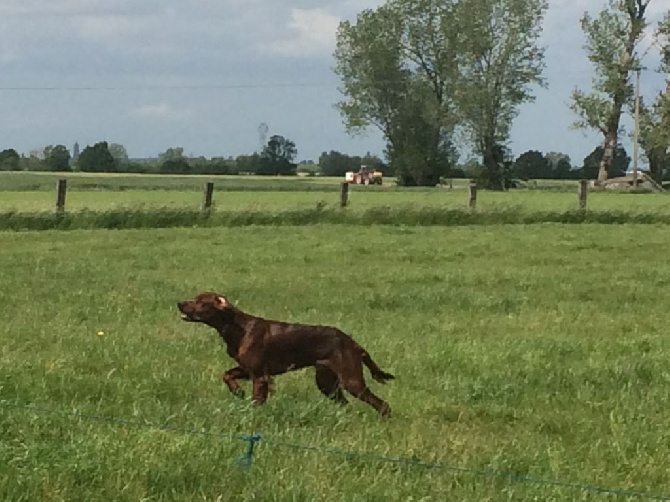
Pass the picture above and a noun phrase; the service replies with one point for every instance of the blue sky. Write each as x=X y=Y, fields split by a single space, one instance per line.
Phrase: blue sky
x=204 y=74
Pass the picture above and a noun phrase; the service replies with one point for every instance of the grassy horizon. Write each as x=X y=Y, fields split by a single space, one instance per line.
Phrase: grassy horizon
x=538 y=350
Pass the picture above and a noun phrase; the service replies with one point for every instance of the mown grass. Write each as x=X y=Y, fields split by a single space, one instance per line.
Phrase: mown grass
x=538 y=350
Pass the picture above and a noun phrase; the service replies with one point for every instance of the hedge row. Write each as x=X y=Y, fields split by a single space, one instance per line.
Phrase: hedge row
x=385 y=215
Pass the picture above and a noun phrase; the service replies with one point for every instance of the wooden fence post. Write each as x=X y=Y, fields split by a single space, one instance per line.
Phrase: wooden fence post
x=344 y=194
x=473 y=195
x=583 y=190
x=61 y=189
x=207 y=196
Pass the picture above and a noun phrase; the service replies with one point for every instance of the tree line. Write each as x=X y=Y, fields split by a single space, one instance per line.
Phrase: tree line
x=434 y=76
x=276 y=158
x=106 y=157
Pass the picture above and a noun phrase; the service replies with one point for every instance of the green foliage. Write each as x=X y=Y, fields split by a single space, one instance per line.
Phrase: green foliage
x=176 y=153
x=512 y=353
x=334 y=163
x=395 y=65
x=120 y=155
x=499 y=60
x=337 y=164
x=554 y=165
x=57 y=158
x=96 y=158
x=532 y=164
x=560 y=165
x=368 y=60
x=421 y=151
x=655 y=134
x=277 y=157
x=9 y=160
x=499 y=173
x=172 y=161
x=592 y=161
x=413 y=166
x=175 y=166
x=32 y=162
x=248 y=163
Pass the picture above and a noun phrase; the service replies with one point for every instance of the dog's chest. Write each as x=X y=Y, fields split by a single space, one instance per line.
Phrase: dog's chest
x=231 y=337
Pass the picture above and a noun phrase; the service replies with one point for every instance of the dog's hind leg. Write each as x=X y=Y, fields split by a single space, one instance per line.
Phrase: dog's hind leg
x=230 y=379
x=329 y=384
x=351 y=375
x=360 y=390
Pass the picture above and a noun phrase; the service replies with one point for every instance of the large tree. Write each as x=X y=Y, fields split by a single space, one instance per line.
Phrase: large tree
x=57 y=158
x=277 y=156
x=499 y=60
x=612 y=38
x=420 y=149
x=618 y=166
x=335 y=163
x=561 y=166
x=532 y=164
x=418 y=69
x=173 y=153
x=9 y=160
x=173 y=161
x=96 y=158
x=120 y=155
x=397 y=66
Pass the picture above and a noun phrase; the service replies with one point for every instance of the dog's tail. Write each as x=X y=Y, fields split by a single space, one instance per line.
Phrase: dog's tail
x=376 y=372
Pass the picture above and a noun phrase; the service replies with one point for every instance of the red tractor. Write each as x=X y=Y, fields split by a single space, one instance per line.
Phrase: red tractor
x=365 y=176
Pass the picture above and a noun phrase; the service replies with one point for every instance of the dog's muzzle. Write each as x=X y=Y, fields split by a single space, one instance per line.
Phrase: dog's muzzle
x=186 y=316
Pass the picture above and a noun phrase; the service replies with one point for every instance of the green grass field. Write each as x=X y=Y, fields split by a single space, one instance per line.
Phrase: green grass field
x=536 y=350
x=46 y=181
x=35 y=192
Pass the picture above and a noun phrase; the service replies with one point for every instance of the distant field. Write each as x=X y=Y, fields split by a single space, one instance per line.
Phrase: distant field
x=535 y=351
x=38 y=181
x=28 y=192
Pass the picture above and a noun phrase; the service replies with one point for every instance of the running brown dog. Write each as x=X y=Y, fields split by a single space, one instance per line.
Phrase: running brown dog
x=264 y=348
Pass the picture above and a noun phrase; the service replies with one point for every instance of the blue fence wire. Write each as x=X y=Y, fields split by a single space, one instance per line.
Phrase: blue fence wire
x=252 y=440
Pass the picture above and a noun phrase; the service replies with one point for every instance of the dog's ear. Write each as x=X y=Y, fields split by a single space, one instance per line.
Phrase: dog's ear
x=222 y=302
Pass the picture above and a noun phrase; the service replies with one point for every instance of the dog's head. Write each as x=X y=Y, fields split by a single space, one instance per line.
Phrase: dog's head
x=212 y=309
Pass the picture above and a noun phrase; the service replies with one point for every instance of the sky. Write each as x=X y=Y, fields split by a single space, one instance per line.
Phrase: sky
x=205 y=74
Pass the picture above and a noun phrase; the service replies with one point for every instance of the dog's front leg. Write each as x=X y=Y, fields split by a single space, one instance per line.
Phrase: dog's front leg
x=230 y=379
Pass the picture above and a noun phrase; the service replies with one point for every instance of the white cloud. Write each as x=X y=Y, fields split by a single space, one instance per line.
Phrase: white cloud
x=160 y=112
x=310 y=32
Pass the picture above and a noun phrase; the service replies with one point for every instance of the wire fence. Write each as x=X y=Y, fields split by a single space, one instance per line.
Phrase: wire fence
x=252 y=440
